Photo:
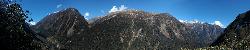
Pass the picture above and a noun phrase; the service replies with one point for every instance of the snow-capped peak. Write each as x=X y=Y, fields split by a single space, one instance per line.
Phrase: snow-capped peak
x=191 y=22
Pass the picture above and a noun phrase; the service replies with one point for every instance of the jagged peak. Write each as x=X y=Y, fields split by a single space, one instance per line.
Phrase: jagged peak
x=166 y=14
x=134 y=14
x=70 y=9
x=66 y=10
x=138 y=12
x=191 y=22
x=196 y=22
x=70 y=12
x=129 y=12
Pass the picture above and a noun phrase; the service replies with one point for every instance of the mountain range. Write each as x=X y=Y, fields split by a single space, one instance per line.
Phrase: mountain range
x=121 y=30
x=130 y=29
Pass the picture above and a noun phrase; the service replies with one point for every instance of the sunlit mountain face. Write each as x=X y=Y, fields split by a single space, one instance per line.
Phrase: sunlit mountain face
x=124 y=24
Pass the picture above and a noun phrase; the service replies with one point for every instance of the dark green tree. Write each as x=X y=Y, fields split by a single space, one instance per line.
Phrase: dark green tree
x=15 y=33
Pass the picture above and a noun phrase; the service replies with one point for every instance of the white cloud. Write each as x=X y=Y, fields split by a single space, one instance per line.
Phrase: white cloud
x=32 y=23
x=122 y=8
x=218 y=23
x=86 y=14
x=114 y=8
x=59 y=5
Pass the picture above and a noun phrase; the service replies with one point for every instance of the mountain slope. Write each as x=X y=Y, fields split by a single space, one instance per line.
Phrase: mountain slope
x=138 y=30
x=123 y=30
x=67 y=22
x=64 y=29
x=204 y=34
x=236 y=35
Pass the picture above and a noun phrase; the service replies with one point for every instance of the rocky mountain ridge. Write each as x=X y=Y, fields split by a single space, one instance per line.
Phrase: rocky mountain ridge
x=124 y=29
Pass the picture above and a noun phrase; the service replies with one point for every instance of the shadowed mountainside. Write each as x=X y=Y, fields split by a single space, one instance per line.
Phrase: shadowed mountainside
x=236 y=35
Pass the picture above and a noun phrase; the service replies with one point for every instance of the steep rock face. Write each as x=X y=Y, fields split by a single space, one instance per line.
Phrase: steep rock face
x=135 y=30
x=64 y=29
x=204 y=34
x=236 y=35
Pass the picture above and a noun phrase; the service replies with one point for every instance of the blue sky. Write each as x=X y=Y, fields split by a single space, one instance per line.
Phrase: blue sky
x=210 y=11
